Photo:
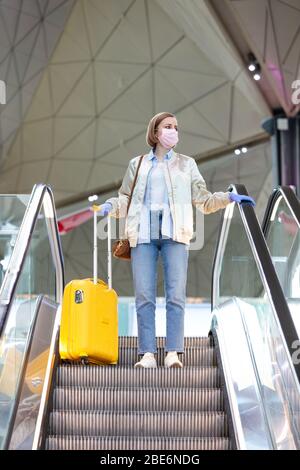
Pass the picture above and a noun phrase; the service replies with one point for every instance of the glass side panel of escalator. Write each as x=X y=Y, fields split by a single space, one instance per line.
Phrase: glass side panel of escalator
x=37 y=276
x=283 y=240
x=12 y=210
x=241 y=277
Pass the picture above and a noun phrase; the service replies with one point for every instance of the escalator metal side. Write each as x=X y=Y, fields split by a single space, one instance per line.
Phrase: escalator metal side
x=41 y=198
x=250 y=425
x=265 y=266
x=30 y=381
x=46 y=403
x=282 y=320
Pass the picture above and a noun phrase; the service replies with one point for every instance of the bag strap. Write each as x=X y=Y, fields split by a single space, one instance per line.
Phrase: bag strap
x=134 y=181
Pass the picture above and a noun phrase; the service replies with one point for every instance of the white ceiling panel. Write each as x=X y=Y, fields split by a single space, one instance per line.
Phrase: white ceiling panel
x=111 y=79
x=37 y=140
x=9 y=179
x=28 y=175
x=80 y=146
x=81 y=99
x=66 y=130
x=110 y=133
x=104 y=171
x=185 y=55
x=193 y=119
x=63 y=79
x=70 y=177
x=118 y=158
x=243 y=124
x=215 y=109
x=42 y=104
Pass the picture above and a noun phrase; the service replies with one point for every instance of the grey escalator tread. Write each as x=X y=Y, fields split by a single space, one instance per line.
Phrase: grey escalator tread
x=122 y=407
x=192 y=356
x=133 y=423
x=127 y=376
x=137 y=443
x=139 y=399
x=196 y=341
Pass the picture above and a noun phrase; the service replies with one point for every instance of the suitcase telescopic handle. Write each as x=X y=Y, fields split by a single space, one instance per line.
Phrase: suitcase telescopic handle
x=95 y=209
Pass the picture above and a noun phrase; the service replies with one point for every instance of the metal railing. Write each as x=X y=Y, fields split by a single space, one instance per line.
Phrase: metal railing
x=41 y=198
x=282 y=318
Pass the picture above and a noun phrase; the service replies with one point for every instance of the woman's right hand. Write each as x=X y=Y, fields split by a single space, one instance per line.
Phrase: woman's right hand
x=105 y=208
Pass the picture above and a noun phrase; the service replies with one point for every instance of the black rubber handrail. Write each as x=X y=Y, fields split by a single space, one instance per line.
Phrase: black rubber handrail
x=292 y=201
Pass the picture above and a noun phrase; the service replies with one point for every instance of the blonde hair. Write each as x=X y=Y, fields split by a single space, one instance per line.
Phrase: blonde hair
x=151 y=139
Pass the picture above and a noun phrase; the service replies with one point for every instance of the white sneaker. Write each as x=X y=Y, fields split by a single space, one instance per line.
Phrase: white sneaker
x=148 y=360
x=171 y=360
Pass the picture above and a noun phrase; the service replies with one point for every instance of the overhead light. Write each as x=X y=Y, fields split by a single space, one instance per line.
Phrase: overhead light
x=253 y=66
x=238 y=151
x=252 y=62
x=92 y=198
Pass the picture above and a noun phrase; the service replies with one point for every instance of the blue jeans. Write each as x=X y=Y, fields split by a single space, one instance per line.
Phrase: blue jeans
x=144 y=258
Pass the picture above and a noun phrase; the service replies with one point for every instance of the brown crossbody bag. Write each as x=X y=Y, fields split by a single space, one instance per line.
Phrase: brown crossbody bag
x=121 y=248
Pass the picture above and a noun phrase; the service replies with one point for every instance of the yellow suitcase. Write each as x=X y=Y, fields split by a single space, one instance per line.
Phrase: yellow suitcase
x=89 y=318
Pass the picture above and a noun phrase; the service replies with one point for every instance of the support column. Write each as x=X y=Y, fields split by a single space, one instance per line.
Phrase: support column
x=285 y=139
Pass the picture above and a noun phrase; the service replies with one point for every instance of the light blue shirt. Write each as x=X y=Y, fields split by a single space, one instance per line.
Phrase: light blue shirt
x=156 y=194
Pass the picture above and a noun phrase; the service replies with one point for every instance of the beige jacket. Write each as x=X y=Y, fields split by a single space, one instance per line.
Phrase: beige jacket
x=186 y=187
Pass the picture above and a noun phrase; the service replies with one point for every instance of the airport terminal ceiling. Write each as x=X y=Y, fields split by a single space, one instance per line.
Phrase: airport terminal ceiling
x=114 y=65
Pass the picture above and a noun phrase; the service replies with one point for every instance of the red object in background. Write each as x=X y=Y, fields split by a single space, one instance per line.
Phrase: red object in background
x=288 y=222
x=71 y=221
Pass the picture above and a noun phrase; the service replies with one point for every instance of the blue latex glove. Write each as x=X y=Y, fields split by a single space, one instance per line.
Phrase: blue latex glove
x=241 y=198
x=105 y=208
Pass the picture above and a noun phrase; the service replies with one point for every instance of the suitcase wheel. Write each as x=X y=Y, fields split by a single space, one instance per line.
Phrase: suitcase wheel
x=84 y=360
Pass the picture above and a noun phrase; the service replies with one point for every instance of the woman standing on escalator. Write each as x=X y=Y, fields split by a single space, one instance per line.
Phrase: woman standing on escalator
x=160 y=220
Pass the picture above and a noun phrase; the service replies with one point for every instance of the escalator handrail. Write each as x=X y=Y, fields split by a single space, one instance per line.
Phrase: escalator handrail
x=291 y=200
x=266 y=268
x=41 y=195
x=288 y=194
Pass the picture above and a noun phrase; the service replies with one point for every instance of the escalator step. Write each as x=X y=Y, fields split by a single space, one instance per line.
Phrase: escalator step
x=136 y=443
x=197 y=341
x=111 y=376
x=120 y=407
x=193 y=356
x=138 y=399
x=159 y=423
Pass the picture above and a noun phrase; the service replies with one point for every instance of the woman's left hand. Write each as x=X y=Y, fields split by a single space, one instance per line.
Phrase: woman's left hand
x=241 y=198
